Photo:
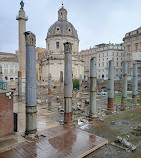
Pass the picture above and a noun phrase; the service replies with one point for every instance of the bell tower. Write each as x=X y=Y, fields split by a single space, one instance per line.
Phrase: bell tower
x=62 y=14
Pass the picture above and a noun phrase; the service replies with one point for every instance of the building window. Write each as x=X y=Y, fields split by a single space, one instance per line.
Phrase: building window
x=136 y=37
x=117 y=58
x=136 y=46
x=5 y=65
x=128 y=48
x=128 y=39
x=11 y=71
x=117 y=53
x=137 y=31
x=107 y=53
x=5 y=71
x=11 y=79
x=99 y=55
x=57 y=45
x=113 y=53
x=129 y=33
x=16 y=66
x=16 y=71
x=103 y=54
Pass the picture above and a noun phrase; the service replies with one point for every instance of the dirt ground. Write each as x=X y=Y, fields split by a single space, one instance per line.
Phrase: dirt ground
x=106 y=126
x=124 y=124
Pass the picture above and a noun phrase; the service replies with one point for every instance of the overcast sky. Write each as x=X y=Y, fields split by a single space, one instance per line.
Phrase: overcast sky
x=97 y=21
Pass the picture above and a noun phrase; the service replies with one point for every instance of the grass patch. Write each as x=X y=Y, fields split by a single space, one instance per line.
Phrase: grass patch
x=139 y=102
x=134 y=115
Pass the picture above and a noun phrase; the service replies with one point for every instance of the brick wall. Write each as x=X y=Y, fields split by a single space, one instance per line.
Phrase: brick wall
x=6 y=115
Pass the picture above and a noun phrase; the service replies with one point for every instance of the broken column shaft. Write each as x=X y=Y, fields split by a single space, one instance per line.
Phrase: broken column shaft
x=61 y=82
x=68 y=83
x=92 y=104
x=135 y=82
x=0 y=73
x=111 y=86
x=124 y=85
x=49 y=84
x=19 y=84
x=80 y=83
x=31 y=83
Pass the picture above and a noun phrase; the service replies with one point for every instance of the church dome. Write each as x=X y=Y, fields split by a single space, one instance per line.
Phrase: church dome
x=62 y=27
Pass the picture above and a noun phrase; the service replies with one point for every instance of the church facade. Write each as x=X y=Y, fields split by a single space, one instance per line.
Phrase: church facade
x=52 y=60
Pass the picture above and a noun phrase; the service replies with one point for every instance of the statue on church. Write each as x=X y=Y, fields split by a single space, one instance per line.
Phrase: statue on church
x=22 y=4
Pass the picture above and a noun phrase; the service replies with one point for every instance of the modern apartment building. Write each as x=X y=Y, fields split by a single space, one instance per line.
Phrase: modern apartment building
x=103 y=53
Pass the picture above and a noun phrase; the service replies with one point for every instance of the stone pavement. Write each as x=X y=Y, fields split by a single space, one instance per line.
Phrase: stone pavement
x=58 y=142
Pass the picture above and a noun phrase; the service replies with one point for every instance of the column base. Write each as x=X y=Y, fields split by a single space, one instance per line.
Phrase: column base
x=68 y=118
x=134 y=99
x=49 y=91
x=110 y=104
x=31 y=120
x=93 y=115
x=123 y=104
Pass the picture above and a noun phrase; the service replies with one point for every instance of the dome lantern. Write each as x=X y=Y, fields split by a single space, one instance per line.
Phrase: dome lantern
x=62 y=14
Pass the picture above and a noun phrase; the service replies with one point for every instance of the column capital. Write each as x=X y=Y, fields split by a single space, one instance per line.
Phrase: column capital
x=30 y=38
x=68 y=47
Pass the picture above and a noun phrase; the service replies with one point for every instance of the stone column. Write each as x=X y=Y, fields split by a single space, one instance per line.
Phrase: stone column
x=31 y=83
x=49 y=84
x=68 y=83
x=111 y=86
x=22 y=49
x=19 y=85
x=124 y=85
x=88 y=82
x=135 y=82
x=80 y=83
x=92 y=104
x=0 y=73
x=61 y=82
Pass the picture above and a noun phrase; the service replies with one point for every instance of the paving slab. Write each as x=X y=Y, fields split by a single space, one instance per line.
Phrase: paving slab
x=58 y=142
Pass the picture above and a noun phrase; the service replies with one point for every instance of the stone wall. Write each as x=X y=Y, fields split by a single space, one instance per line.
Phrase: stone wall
x=6 y=114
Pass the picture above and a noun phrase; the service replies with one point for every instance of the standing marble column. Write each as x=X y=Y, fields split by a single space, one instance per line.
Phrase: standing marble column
x=61 y=82
x=111 y=86
x=49 y=84
x=68 y=83
x=92 y=104
x=19 y=85
x=31 y=83
x=124 y=85
x=135 y=82
x=80 y=83
x=0 y=73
